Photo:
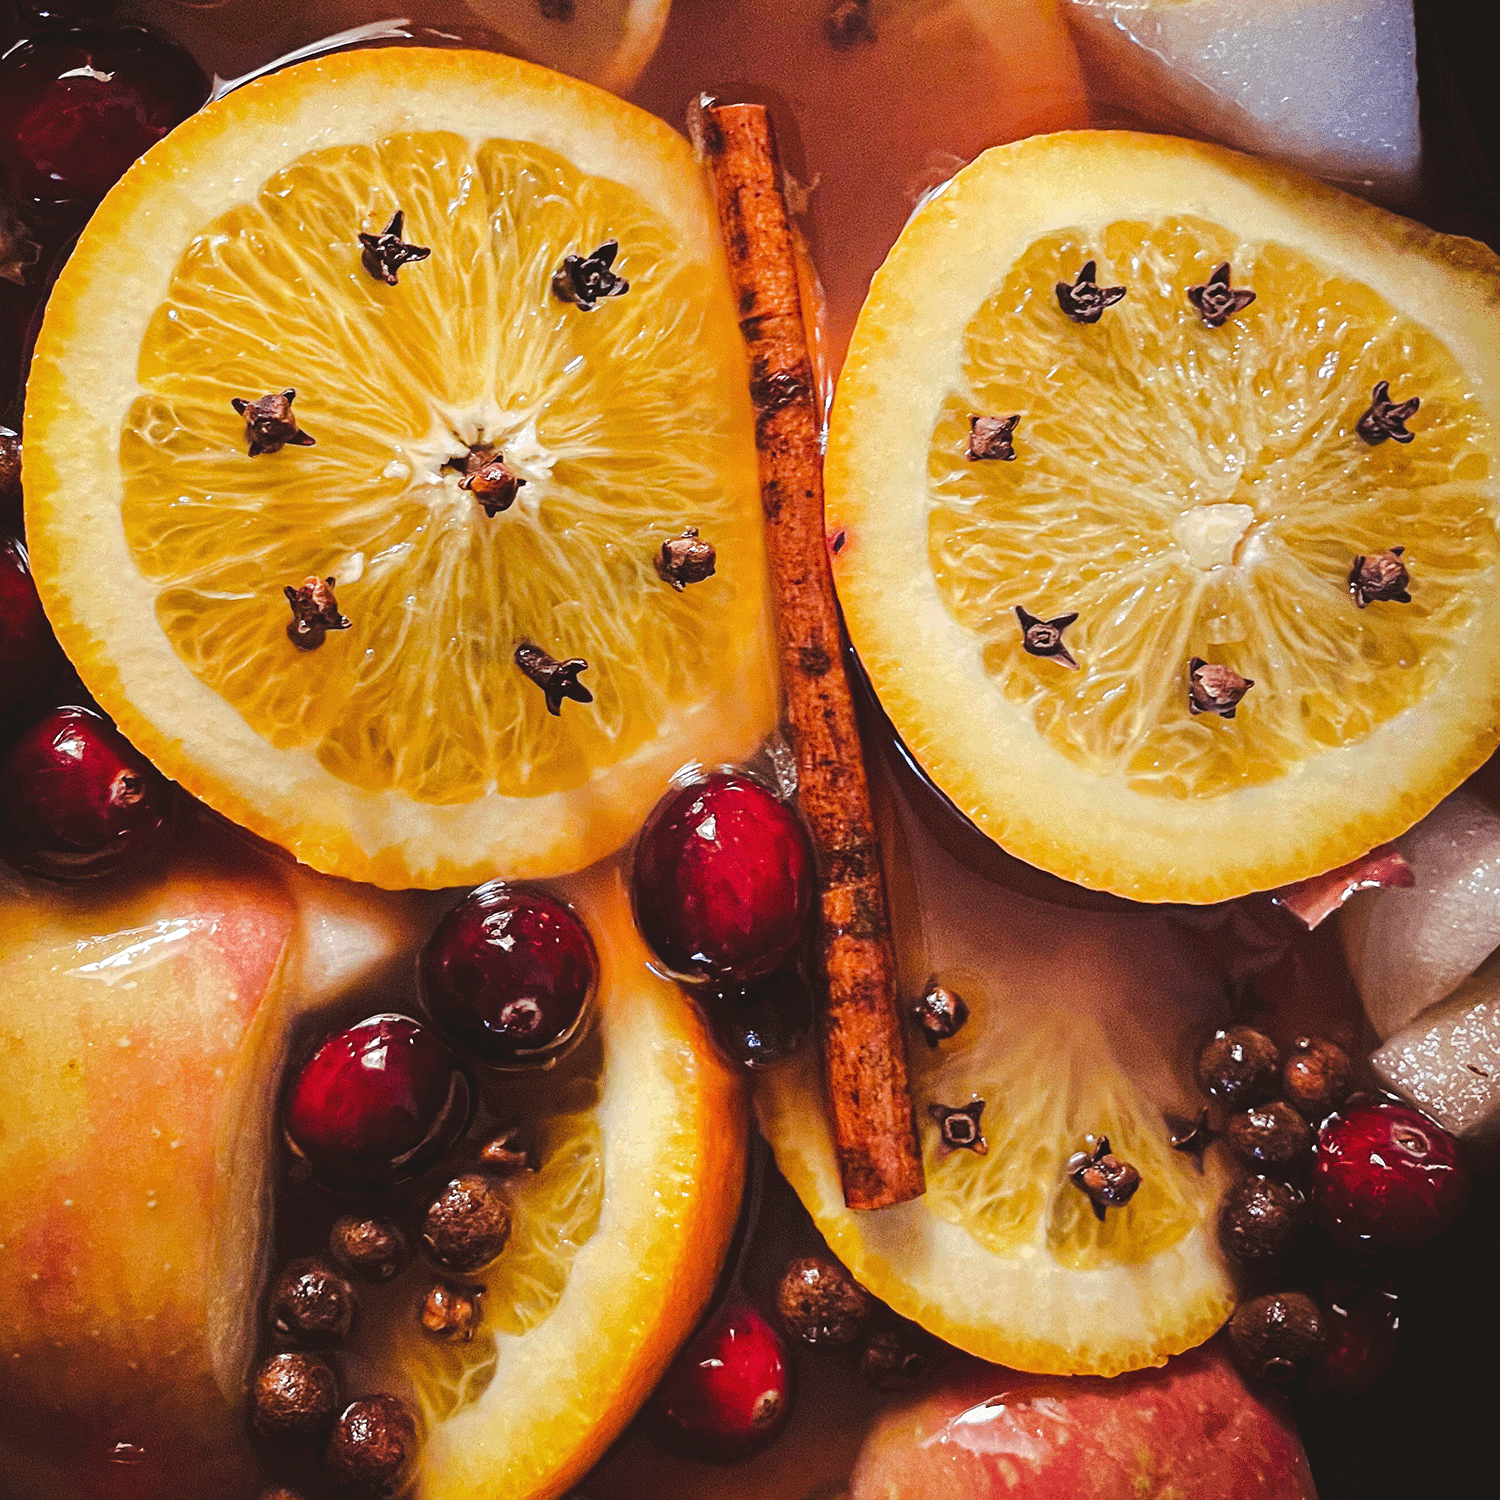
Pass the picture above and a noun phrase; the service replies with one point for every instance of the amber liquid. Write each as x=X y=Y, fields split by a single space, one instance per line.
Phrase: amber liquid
x=868 y=132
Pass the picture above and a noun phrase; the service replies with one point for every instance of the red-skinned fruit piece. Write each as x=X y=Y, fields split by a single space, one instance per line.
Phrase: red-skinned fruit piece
x=77 y=802
x=377 y=1104
x=1386 y=1176
x=728 y=1393
x=508 y=974
x=722 y=880
x=78 y=107
x=28 y=653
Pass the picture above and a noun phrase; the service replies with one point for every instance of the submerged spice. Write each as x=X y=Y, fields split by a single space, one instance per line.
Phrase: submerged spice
x=1385 y=418
x=1380 y=578
x=940 y=1013
x=1215 y=689
x=960 y=1127
x=452 y=1313
x=385 y=253
x=269 y=423
x=315 y=612
x=1217 y=302
x=1084 y=301
x=1192 y=1137
x=847 y=23
x=586 y=280
x=1044 y=637
x=1103 y=1178
x=557 y=679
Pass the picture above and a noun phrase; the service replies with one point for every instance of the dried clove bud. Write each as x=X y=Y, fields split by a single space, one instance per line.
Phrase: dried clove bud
x=1083 y=301
x=293 y=1398
x=372 y=1448
x=897 y=1354
x=1216 y=301
x=1193 y=1137
x=557 y=679
x=491 y=483
x=991 y=437
x=847 y=23
x=1104 y=1179
x=452 y=1313
x=1380 y=578
x=586 y=280
x=269 y=423
x=821 y=1303
x=1044 y=637
x=467 y=1225
x=1215 y=689
x=509 y=1151
x=960 y=1127
x=385 y=253
x=686 y=559
x=940 y=1013
x=311 y=1305
x=315 y=612
x=1385 y=418
x=373 y=1249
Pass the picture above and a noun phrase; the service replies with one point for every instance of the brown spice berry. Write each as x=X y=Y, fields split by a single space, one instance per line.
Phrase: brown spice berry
x=1269 y=1135
x=269 y=423
x=372 y=1448
x=821 y=1303
x=311 y=1305
x=452 y=1313
x=940 y=1013
x=466 y=1225
x=897 y=1355
x=1238 y=1067
x=509 y=1151
x=1317 y=1075
x=1277 y=1337
x=1258 y=1220
x=373 y=1249
x=293 y=1398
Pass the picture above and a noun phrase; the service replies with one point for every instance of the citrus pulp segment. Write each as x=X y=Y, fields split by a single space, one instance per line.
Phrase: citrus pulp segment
x=1190 y=493
x=616 y=1241
x=409 y=748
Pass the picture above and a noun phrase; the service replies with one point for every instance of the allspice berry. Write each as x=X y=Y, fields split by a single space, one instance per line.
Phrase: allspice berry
x=373 y=1249
x=372 y=1448
x=452 y=1313
x=1317 y=1076
x=821 y=1303
x=311 y=1305
x=1271 y=1136
x=1258 y=1220
x=939 y=1014
x=466 y=1225
x=1277 y=1337
x=897 y=1355
x=293 y=1398
x=1238 y=1066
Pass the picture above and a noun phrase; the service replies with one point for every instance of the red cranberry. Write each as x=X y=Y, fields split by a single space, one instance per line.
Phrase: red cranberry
x=761 y=1024
x=28 y=654
x=1361 y=1324
x=77 y=107
x=508 y=973
x=77 y=802
x=722 y=879
x=1386 y=1175
x=377 y=1104
x=728 y=1393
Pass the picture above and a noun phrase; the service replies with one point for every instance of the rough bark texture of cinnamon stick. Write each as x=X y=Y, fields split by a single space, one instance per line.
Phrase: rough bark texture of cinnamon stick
x=864 y=1059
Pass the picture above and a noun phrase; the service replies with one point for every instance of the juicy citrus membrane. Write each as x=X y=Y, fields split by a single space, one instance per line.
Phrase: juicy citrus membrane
x=608 y=42
x=640 y=1141
x=1190 y=492
x=1081 y=1025
x=408 y=749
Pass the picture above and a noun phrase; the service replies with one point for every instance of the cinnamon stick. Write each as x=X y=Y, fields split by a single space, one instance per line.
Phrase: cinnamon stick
x=864 y=1060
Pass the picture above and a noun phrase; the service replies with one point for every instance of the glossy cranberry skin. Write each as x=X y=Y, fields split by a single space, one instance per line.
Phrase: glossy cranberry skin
x=77 y=802
x=723 y=880
x=507 y=974
x=28 y=653
x=77 y=107
x=377 y=1104
x=728 y=1393
x=1387 y=1176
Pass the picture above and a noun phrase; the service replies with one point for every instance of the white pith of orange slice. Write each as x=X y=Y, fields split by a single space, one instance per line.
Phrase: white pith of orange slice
x=608 y=42
x=1191 y=492
x=408 y=750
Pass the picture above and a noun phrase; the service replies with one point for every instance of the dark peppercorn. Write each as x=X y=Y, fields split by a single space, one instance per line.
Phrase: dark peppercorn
x=1269 y=1135
x=1238 y=1067
x=312 y=1305
x=1317 y=1076
x=897 y=1355
x=1277 y=1337
x=940 y=1013
x=452 y=1313
x=466 y=1225
x=373 y=1249
x=293 y=1398
x=821 y=1303
x=372 y=1448
x=1258 y=1220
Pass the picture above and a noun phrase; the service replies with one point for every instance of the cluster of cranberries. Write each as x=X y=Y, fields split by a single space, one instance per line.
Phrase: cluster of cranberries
x=1373 y=1174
